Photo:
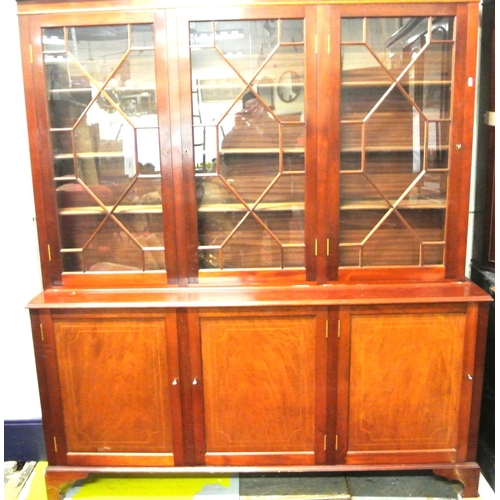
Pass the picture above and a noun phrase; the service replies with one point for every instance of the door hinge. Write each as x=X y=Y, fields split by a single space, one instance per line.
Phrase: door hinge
x=338 y=328
x=326 y=328
x=49 y=253
x=336 y=442
x=315 y=247
x=55 y=444
x=328 y=247
x=328 y=43
x=41 y=331
x=324 y=442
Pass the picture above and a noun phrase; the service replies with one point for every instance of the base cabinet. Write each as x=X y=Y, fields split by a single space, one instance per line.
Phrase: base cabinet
x=326 y=387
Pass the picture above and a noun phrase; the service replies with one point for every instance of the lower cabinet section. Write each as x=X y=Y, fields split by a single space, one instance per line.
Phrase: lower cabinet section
x=306 y=387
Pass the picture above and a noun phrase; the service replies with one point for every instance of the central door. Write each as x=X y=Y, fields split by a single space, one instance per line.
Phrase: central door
x=263 y=373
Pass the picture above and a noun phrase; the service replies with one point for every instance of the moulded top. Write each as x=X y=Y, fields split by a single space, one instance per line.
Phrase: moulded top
x=282 y=296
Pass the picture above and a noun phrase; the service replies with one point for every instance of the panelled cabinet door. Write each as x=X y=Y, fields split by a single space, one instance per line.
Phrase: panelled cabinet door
x=262 y=387
x=409 y=373
x=119 y=396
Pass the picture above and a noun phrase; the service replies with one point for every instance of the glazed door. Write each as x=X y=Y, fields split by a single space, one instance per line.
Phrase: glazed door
x=119 y=398
x=102 y=130
x=248 y=140
x=408 y=375
x=260 y=384
x=403 y=152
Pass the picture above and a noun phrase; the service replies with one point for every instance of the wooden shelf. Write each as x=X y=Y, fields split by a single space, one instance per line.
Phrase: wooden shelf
x=374 y=83
x=240 y=151
x=388 y=149
x=238 y=207
x=405 y=204
x=90 y=155
x=122 y=209
x=122 y=90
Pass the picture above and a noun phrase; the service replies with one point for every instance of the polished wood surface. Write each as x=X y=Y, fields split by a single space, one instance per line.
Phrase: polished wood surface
x=57 y=482
x=382 y=293
x=260 y=369
x=108 y=410
x=402 y=366
x=31 y=6
x=333 y=360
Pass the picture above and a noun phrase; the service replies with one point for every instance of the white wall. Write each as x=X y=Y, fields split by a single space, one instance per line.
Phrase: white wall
x=18 y=248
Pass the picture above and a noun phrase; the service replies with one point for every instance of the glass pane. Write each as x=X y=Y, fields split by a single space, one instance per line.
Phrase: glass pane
x=395 y=129
x=101 y=95
x=249 y=139
x=53 y=40
x=389 y=239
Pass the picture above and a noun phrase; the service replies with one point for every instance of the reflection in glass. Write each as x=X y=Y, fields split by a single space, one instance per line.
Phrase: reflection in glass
x=395 y=129
x=249 y=142
x=101 y=94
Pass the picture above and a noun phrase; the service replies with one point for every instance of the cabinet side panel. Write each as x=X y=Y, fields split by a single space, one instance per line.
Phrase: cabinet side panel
x=405 y=383
x=114 y=387
x=259 y=384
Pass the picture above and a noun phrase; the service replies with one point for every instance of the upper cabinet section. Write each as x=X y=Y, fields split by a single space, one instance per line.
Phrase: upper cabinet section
x=271 y=143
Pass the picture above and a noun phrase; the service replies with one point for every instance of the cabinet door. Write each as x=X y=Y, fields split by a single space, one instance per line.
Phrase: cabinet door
x=404 y=149
x=100 y=139
x=409 y=374
x=249 y=103
x=262 y=387
x=119 y=397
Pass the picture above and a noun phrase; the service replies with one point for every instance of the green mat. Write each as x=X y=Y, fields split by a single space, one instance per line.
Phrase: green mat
x=152 y=488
